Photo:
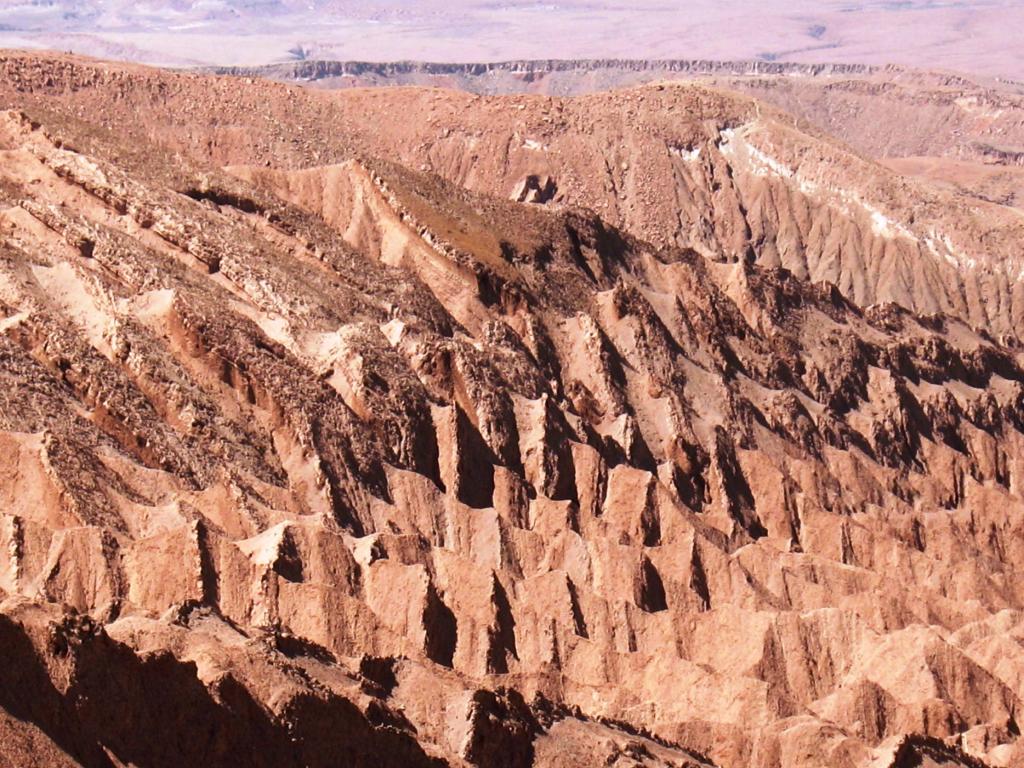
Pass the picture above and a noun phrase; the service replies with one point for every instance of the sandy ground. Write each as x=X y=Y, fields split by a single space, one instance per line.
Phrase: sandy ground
x=974 y=35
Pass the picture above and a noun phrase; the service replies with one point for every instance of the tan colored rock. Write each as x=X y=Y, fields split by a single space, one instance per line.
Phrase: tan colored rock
x=386 y=468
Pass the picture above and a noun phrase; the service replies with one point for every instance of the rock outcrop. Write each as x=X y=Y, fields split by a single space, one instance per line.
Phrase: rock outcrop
x=564 y=76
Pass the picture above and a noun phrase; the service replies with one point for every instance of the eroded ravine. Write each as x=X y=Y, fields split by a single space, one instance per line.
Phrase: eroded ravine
x=425 y=475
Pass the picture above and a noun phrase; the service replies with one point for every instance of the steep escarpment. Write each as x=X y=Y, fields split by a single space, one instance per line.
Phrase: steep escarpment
x=353 y=460
x=689 y=167
x=567 y=77
x=882 y=111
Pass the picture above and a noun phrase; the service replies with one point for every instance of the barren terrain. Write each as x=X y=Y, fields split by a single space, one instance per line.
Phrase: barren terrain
x=964 y=132
x=966 y=35
x=415 y=427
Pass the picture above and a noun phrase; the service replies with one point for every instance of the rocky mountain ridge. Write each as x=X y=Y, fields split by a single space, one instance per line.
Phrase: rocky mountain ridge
x=961 y=130
x=679 y=164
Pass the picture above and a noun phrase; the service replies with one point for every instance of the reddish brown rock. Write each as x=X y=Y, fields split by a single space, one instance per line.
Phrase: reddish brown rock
x=386 y=468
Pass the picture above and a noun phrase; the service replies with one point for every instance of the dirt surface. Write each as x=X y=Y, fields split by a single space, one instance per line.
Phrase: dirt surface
x=317 y=449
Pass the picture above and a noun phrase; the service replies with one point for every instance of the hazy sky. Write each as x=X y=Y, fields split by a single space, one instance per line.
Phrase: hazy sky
x=973 y=35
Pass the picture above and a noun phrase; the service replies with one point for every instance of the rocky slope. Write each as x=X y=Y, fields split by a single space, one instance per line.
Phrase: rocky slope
x=963 y=131
x=675 y=164
x=351 y=465
x=687 y=166
x=936 y=113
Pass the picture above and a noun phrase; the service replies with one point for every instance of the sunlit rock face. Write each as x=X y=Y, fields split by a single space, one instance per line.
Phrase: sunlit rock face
x=362 y=462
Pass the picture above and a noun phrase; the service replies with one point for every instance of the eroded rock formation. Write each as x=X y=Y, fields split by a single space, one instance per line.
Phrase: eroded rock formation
x=352 y=465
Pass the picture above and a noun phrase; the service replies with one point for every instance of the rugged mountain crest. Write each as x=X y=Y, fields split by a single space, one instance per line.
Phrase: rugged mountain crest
x=675 y=164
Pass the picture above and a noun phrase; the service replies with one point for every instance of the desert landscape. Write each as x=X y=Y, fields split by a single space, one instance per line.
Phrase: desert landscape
x=653 y=426
x=609 y=401
x=978 y=36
